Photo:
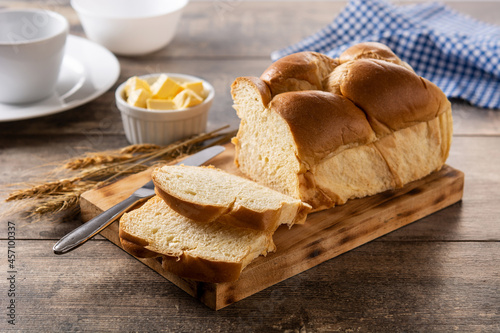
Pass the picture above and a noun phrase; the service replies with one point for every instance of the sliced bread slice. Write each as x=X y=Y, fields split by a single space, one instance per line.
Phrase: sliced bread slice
x=206 y=194
x=209 y=252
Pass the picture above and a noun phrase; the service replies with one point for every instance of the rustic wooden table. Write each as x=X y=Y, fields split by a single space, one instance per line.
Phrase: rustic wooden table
x=440 y=274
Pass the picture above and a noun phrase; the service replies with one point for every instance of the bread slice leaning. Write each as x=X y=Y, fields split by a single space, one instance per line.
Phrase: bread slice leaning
x=209 y=252
x=206 y=194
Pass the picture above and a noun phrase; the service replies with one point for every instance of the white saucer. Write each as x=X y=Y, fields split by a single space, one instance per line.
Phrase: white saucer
x=88 y=70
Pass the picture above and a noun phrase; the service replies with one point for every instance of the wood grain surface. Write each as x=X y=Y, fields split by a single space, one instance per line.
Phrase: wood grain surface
x=438 y=275
x=379 y=287
x=325 y=234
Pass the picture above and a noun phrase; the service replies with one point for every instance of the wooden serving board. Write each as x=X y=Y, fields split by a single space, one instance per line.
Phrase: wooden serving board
x=325 y=234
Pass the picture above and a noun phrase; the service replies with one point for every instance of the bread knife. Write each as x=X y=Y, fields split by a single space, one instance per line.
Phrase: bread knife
x=89 y=229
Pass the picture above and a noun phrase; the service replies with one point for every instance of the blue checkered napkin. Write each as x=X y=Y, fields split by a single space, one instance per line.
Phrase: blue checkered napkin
x=459 y=54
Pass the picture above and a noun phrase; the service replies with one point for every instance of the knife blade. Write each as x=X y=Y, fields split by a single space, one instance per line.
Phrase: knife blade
x=89 y=229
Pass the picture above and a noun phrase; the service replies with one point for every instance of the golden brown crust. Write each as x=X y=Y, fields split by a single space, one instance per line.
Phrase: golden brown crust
x=187 y=266
x=298 y=71
x=238 y=217
x=392 y=97
x=247 y=218
x=183 y=265
x=194 y=211
x=371 y=50
x=135 y=245
x=321 y=122
x=200 y=269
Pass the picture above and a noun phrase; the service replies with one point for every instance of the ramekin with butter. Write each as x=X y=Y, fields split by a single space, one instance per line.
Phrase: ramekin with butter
x=165 y=93
x=163 y=108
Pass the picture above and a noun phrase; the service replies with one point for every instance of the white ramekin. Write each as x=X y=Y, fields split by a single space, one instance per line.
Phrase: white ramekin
x=164 y=127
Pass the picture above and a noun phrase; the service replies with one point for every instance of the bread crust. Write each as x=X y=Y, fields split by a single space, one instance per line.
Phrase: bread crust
x=378 y=88
x=246 y=218
x=369 y=50
x=335 y=121
x=135 y=245
x=184 y=265
x=372 y=50
x=239 y=217
x=200 y=269
x=298 y=71
x=192 y=210
x=375 y=88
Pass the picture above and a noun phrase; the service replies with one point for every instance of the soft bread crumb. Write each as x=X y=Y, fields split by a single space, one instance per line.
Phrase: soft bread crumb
x=266 y=151
x=169 y=233
x=206 y=194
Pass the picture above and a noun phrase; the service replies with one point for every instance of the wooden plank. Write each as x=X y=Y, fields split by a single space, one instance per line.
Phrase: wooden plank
x=381 y=287
x=325 y=235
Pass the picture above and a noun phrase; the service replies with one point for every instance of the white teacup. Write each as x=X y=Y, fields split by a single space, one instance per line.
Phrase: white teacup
x=31 y=53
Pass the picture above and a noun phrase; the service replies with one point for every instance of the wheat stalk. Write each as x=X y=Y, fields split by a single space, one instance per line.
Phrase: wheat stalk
x=95 y=159
x=62 y=201
x=139 y=148
x=44 y=189
x=98 y=169
x=110 y=170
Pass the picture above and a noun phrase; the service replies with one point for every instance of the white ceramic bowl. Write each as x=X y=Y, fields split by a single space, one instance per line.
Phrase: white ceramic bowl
x=130 y=27
x=164 y=127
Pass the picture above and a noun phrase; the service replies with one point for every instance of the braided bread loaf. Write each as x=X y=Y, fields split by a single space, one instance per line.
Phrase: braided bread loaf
x=327 y=130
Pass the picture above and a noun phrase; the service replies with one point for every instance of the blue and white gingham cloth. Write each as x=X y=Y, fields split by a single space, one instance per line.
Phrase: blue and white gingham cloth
x=459 y=54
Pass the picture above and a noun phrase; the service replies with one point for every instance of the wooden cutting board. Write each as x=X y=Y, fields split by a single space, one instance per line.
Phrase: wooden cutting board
x=325 y=234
